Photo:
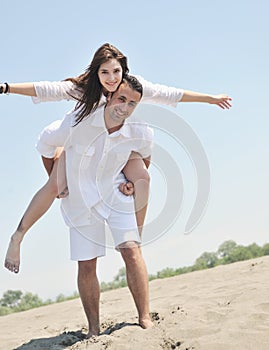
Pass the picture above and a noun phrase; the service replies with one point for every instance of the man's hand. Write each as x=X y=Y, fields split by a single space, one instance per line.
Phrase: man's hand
x=223 y=101
x=127 y=188
x=63 y=194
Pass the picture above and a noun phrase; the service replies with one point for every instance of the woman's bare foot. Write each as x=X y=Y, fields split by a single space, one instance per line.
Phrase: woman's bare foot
x=12 y=261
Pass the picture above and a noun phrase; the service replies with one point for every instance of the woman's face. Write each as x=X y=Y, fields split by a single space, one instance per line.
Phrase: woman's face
x=110 y=75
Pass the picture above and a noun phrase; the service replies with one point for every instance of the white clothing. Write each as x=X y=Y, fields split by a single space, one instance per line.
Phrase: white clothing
x=64 y=90
x=89 y=242
x=94 y=160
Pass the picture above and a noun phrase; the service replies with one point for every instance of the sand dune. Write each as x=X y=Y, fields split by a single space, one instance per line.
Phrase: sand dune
x=225 y=308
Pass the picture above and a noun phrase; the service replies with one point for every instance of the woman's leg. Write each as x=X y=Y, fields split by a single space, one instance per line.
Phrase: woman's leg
x=136 y=172
x=38 y=206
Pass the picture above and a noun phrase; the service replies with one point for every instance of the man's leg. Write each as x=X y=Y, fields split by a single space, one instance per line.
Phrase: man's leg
x=87 y=243
x=89 y=291
x=137 y=279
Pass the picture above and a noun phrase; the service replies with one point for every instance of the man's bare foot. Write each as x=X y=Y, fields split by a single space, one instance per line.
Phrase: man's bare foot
x=92 y=334
x=146 y=323
x=12 y=261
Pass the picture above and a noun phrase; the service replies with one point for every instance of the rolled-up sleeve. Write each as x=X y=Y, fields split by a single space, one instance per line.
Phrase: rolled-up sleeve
x=54 y=135
x=160 y=94
x=55 y=91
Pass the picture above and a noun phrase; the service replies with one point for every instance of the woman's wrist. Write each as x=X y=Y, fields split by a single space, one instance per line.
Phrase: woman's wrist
x=4 y=88
x=26 y=89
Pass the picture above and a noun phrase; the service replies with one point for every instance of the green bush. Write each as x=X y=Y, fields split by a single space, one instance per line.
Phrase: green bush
x=4 y=310
x=228 y=252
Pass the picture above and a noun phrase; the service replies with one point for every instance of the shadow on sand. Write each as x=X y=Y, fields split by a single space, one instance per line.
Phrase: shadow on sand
x=67 y=339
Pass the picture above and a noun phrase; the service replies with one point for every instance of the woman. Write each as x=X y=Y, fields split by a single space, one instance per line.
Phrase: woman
x=102 y=77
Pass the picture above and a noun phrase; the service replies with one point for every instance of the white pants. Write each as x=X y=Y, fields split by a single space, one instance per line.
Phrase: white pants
x=89 y=242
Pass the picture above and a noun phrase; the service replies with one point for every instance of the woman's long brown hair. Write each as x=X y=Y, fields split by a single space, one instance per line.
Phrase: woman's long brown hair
x=88 y=83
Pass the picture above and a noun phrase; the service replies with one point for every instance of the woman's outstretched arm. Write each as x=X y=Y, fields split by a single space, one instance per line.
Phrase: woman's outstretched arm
x=167 y=95
x=43 y=91
x=26 y=89
x=221 y=100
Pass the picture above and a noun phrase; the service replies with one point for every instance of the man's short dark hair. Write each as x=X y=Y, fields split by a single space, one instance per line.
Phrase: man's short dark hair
x=133 y=83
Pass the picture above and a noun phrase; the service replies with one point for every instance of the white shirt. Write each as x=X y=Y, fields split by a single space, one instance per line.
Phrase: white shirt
x=94 y=161
x=64 y=90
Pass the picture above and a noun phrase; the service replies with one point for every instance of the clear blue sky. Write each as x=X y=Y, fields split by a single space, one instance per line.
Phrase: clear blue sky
x=207 y=46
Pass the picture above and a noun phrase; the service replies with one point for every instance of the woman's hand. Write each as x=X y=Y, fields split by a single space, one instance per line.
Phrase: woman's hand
x=223 y=101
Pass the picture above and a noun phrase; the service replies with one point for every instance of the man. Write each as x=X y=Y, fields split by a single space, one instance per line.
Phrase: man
x=96 y=151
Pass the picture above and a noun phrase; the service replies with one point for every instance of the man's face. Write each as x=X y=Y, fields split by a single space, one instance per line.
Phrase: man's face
x=122 y=103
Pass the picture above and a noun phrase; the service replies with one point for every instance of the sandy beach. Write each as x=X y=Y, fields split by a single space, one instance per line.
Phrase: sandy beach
x=224 y=308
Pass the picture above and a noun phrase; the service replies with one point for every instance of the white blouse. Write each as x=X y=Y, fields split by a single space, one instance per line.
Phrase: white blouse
x=65 y=90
